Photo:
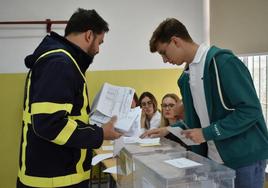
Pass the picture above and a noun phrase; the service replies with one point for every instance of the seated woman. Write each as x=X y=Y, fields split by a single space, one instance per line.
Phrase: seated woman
x=150 y=118
x=172 y=111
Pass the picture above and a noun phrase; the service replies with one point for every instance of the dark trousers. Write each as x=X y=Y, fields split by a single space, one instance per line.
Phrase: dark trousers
x=251 y=176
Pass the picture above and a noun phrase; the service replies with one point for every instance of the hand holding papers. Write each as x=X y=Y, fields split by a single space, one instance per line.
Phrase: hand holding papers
x=115 y=101
x=196 y=135
x=108 y=130
x=177 y=132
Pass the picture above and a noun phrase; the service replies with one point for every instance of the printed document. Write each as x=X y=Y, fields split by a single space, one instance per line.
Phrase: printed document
x=114 y=101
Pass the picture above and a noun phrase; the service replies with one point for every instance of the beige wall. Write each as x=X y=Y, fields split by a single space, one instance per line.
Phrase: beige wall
x=240 y=25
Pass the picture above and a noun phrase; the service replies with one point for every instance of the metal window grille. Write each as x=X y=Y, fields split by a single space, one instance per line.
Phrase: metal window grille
x=258 y=67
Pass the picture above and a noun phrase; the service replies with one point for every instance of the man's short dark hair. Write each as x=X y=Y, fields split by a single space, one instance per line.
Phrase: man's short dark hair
x=83 y=20
x=167 y=29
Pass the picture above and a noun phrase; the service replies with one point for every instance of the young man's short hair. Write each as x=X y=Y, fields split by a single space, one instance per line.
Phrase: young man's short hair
x=167 y=29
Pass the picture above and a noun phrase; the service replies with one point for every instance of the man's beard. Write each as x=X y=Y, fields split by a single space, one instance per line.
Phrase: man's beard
x=91 y=53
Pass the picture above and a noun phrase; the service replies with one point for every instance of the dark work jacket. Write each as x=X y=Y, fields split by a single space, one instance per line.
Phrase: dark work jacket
x=57 y=139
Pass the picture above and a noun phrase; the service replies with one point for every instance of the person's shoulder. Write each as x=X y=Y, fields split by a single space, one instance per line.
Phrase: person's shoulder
x=221 y=55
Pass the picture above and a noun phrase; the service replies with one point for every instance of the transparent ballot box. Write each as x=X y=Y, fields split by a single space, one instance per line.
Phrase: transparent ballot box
x=126 y=166
x=172 y=169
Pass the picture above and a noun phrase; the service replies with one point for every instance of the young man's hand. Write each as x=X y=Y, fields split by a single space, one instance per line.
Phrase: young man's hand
x=154 y=133
x=108 y=130
x=196 y=135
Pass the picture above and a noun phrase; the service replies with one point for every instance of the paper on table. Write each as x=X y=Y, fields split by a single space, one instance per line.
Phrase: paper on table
x=130 y=140
x=177 y=132
x=107 y=148
x=182 y=163
x=111 y=170
x=100 y=157
x=149 y=141
x=133 y=140
x=120 y=142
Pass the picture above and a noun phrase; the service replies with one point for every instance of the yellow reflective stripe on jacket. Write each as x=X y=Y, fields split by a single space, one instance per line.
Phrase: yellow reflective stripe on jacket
x=68 y=54
x=79 y=165
x=26 y=120
x=55 y=181
x=66 y=132
x=23 y=150
x=49 y=107
x=26 y=115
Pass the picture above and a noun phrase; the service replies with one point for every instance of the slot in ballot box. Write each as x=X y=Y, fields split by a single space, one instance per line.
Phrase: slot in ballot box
x=173 y=169
x=126 y=166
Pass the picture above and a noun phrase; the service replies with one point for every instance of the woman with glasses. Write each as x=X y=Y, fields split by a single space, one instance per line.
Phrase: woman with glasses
x=171 y=114
x=151 y=117
x=172 y=111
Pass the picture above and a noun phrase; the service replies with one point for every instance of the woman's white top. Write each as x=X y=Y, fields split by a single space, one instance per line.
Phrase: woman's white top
x=155 y=121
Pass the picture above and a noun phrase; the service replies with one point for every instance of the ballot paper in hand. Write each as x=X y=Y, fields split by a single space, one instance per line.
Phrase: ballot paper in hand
x=177 y=132
x=114 y=101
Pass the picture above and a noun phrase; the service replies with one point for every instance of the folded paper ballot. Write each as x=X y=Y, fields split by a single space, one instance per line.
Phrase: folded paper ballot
x=115 y=100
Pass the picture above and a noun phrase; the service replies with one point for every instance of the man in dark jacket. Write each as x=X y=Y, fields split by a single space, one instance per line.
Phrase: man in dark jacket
x=57 y=139
x=223 y=114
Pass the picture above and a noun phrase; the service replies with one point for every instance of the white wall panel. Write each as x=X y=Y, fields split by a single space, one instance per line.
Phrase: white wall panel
x=126 y=45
